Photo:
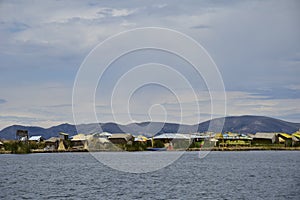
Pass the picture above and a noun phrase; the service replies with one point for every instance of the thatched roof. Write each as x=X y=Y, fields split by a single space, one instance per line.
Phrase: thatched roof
x=125 y=136
x=261 y=135
x=52 y=139
x=171 y=136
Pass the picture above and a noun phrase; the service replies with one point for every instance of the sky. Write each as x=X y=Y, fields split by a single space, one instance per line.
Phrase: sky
x=254 y=44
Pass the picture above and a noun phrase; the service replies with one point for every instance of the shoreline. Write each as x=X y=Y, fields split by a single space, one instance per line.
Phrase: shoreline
x=189 y=149
x=246 y=149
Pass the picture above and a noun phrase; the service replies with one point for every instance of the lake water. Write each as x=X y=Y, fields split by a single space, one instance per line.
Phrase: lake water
x=220 y=175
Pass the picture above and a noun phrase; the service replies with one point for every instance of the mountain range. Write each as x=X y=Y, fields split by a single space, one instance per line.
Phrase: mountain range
x=237 y=124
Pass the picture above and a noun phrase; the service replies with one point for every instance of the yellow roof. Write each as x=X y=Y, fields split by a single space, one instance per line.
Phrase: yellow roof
x=286 y=135
x=297 y=134
x=142 y=138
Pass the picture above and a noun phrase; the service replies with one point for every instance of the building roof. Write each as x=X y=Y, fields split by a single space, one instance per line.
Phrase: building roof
x=52 y=139
x=35 y=138
x=81 y=137
x=261 y=135
x=62 y=133
x=171 y=136
x=297 y=135
x=105 y=134
x=199 y=136
x=125 y=136
x=1 y=143
x=285 y=135
x=140 y=138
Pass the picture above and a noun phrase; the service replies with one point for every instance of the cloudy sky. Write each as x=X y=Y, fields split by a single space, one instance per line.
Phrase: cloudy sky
x=255 y=45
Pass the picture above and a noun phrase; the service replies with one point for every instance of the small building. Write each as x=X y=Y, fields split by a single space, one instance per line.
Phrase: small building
x=296 y=139
x=22 y=135
x=121 y=138
x=63 y=139
x=104 y=135
x=101 y=138
x=36 y=138
x=168 y=137
x=64 y=136
x=174 y=140
x=52 y=143
x=199 y=137
x=261 y=138
x=141 y=138
x=286 y=139
x=96 y=143
x=213 y=141
x=80 y=141
x=229 y=139
x=199 y=140
x=1 y=145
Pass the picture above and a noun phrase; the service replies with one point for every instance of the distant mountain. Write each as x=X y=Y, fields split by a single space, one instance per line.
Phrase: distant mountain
x=10 y=132
x=252 y=124
x=238 y=124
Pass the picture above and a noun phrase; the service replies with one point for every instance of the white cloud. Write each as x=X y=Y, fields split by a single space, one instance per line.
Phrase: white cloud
x=57 y=30
x=40 y=105
x=293 y=87
x=254 y=43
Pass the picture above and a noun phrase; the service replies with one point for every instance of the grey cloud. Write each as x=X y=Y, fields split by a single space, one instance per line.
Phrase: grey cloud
x=18 y=26
x=201 y=27
x=19 y=119
x=2 y=101
x=59 y=106
x=251 y=51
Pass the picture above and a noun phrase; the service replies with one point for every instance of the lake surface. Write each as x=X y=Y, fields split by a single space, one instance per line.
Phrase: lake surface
x=220 y=175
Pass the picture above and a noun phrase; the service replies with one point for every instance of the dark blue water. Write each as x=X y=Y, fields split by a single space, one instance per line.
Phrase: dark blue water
x=220 y=175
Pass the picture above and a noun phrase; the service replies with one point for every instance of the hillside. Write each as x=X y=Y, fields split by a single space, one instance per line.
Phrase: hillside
x=252 y=124
x=239 y=124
